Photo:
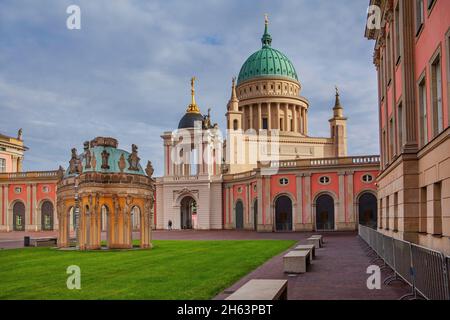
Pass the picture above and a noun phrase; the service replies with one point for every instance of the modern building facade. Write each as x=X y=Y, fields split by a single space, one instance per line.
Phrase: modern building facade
x=412 y=58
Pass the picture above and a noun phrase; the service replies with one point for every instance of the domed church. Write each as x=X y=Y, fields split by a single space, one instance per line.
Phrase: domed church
x=269 y=174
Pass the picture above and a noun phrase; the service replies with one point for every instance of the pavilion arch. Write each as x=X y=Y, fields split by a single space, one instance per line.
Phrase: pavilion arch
x=46 y=214
x=239 y=209
x=17 y=215
x=366 y=208
x=327 y=203
x=284 y=205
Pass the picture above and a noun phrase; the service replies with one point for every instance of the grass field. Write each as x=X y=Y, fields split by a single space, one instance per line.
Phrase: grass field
x=172 y=270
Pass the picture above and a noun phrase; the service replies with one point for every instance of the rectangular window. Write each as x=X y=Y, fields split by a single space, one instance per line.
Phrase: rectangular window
x=400 y=128
x=391 y=139
x=385 y=149
x=423 y=210
x=265 y=124
x=389 y=59
x=2 y=165
x=420 y=16
x=437 y=208
x=387 y=212
x=397 y=34
x=382 y=78
x=423 y=112
x=395 y=227
x=436 y=96
x=430 y=4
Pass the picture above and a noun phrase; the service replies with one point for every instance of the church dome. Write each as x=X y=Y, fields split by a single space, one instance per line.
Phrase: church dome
x=189 y=120
x=193 y=113
x=267 y=62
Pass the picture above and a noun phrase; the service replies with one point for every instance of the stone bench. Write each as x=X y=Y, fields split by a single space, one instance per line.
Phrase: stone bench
x=261 y=290
x=319 y=237
x=296 y=261
x=43 y=242
x=314 y=241
x=307 y=247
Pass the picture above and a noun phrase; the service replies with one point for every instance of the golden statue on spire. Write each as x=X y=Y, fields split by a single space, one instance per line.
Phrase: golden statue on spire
x=193 y=108
x=266 y=19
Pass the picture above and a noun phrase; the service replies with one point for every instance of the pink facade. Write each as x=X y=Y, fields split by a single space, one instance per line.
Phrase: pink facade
x=32 y=197
x=301 y=188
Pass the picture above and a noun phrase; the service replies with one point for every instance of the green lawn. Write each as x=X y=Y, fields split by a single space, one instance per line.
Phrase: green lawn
x=171 y=270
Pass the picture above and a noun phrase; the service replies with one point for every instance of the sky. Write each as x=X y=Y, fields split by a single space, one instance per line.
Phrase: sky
x=126 y=73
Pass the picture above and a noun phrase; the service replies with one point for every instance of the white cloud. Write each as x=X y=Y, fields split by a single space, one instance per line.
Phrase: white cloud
x=126 y=73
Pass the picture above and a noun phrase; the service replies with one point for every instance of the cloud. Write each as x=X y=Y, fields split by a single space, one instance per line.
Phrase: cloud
x=126 y=72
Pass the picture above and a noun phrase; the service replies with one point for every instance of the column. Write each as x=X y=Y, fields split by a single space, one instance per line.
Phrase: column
x=309 y=218
x=269 y=116
x=260 y=201
x=350 y=216
x=231 y=212
x=299 y=199
x=286 y=118
x=34 y=208
x=294 y=115
x=28 y=207
x=259 y=117
x=278 y=117
x=341 y=201
x=252 y=125
x=306 y=121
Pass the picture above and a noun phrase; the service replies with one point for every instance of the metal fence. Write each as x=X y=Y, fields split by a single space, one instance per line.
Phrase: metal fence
x=425 y=270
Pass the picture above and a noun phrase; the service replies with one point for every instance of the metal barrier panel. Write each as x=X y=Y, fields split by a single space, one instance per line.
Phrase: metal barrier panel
x=380 y=249
x=448 y=274
x=430 y=275
x=372 y=239
x=402 y=256
x=388 y=249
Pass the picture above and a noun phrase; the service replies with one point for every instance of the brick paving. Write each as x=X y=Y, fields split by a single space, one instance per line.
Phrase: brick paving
x=337 y=273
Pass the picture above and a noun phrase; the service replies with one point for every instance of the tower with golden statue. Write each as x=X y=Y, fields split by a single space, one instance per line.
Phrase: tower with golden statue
x=102 y=189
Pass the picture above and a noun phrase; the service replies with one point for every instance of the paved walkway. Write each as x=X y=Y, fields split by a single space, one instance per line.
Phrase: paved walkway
x=338 y=273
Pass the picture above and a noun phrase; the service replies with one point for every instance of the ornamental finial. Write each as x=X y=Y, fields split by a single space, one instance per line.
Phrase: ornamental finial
x=266 y=39
x=193 y=108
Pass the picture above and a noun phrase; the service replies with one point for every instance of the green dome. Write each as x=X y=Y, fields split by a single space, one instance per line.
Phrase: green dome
x=117 y=159
x=267 y=62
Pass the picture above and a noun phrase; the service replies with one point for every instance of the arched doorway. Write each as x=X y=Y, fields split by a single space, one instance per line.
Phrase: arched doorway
x=47 y=216
x=135 y=219
x=283 y=214
x=239 y=215
x=135 y=223
x=19 y=216
x=367 y=210
x=188 y=213
x=104 y=218
x=325 y=213
x=255 y=215
x=72 y=220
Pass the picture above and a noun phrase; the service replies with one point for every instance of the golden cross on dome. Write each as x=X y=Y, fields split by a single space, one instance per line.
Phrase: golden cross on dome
x=193 y=108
